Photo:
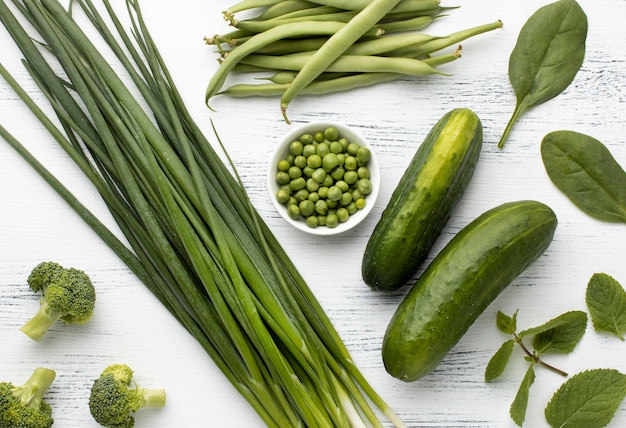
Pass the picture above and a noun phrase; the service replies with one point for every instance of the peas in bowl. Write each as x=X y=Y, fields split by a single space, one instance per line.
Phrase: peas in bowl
x=323 y=178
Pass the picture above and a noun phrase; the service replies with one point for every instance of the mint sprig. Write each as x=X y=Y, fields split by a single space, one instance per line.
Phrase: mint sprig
x=606 y=300
x=557 y=336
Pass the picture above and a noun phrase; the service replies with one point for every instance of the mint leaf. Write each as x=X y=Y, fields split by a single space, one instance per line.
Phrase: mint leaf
x=505 y=323
x=606 y=300
x=559 y=335
x=520 y=403
x=589 y=399
x=498 y=362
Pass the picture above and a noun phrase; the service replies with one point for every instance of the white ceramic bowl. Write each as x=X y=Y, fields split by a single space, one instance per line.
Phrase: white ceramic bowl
x=282 y=149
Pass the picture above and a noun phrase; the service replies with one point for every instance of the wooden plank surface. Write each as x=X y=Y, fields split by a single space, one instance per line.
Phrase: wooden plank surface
x=129 y=324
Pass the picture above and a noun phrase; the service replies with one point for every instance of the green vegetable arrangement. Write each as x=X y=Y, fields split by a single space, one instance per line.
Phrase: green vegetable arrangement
x=319 y=47
x=194 y=238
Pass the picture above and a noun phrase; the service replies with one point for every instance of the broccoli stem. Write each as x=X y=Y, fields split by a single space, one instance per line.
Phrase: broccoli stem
x=154 y=397
x=38 y=325
x=31 y=393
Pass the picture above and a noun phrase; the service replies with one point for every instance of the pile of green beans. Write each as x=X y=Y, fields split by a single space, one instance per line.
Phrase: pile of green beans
x=321 y=46
x=324 y=178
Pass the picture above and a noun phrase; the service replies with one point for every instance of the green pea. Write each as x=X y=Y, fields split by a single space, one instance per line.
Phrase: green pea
x=337 y=173
x=299 y=161
x=342 y=185
x=323 y=149
x=342 y=215
x=314 y=161
x=330 y=162
x=297 y=184
x=308 y=171
x=328 y=181
x=321 y=207
x=319 y=136
x=351 y=177
x=335 y=147
x=319 y=175
x=312 y=221
x=357 y=195
x=351 y=207
x=306 y=139
x=360 y=203
x=332 y=204
x=334 y=193
x=331 y=133
x=332 y=221
x=352 y=149
x=363 y=172
x=364 y=186
x=307 y=208
x=292 y=201
x=363 y=155
x=289 y=158
x=282 y=196
x=341 y=158
x=344 y=144
x=346 y=198
x=323 y=192
x=301 y=195
x=321 y=220
x=312 y=185
x=295 y=148
x=293 y=212
x=283 y=165
x=314 y=197
x=309 y=150
x=282 y=177
x=351 y=164
x=295 y=172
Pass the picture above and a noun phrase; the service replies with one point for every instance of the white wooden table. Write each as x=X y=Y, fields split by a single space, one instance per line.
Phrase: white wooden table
x=130 y=325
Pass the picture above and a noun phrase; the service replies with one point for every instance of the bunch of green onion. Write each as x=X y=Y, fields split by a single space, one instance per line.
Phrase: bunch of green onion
x=321 y=46
x=192 y=235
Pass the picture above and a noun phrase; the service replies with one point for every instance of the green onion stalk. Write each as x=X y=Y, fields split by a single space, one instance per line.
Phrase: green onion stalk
x=190 y=232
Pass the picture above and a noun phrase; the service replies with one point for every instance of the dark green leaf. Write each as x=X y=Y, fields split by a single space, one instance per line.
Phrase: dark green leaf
x=548 y=53
x=559 y=335
x=520 y=403
x=586 y=172
x=498 y=362
x=606 y=300
x=505 y=323
x=588 y=399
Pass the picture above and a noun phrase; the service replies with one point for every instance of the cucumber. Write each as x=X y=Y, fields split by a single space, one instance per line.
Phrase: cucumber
x=422 y=201
x=461 y=281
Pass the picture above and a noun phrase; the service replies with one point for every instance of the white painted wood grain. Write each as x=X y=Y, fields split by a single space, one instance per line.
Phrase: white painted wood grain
x=130 y=326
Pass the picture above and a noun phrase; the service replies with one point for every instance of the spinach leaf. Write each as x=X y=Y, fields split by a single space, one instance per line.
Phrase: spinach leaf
x=547 y=55
x=586 y=172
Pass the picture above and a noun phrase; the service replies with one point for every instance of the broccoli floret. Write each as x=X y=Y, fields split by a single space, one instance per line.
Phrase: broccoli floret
x=115 y=397
x=23 y=406
x=66 y=294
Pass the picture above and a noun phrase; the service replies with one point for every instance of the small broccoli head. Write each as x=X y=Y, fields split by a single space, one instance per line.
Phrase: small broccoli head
x=115 y=397
x=67 y=294
x=23 y=406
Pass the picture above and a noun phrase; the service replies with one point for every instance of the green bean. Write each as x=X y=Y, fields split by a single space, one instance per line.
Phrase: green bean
x=247 y=5
x=411 y=24
x=260 y=26
x=335 y=46
x=385 y=45
x=402 y=6
x=263 y=39
x=443 y=42
x=284 y=7
x=310 y=11
x=339 y=84
x=346 y=63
